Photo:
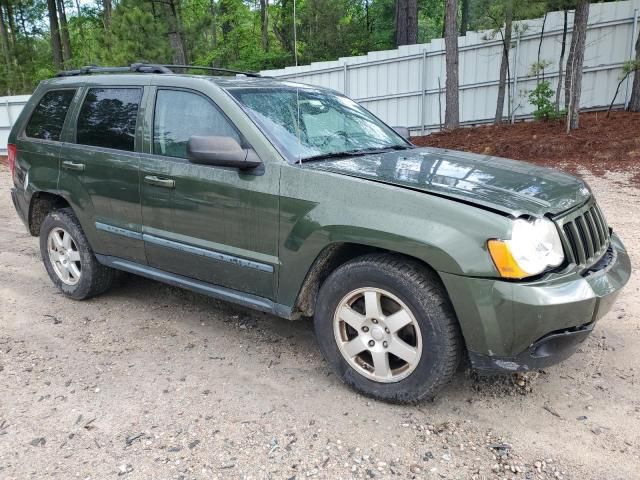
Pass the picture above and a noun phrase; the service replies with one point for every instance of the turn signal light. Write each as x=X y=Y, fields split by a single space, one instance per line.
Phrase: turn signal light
x=504 y=261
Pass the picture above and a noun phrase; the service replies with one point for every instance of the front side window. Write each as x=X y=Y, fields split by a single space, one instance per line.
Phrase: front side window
x=307 y=123
x=48 y=117
x=108 y=118
x=179 y=115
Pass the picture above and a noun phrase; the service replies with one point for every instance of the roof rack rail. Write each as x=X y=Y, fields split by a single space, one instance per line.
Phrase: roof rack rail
x=214 y=69
x=147 y=68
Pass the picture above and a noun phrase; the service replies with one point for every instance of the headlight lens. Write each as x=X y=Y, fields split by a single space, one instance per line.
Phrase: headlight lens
x=534 y=246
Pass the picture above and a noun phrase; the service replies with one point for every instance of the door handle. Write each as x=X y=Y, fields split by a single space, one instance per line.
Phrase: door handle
x=159 y=182
x=69 y=165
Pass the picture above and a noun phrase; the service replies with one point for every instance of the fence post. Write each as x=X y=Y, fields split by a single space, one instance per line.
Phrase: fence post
x=423 y=83
x=631 y=49
x=346 y=79
x=514 y=93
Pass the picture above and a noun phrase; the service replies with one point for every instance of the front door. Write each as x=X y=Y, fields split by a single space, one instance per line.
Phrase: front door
x=210 y=223
x=99 y=171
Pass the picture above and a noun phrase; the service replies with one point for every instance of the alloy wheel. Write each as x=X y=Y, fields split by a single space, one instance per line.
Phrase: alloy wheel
x=64 y=256
x=377 y=334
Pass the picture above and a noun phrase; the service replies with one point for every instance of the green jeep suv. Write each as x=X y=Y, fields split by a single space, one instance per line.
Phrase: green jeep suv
x=294 y=200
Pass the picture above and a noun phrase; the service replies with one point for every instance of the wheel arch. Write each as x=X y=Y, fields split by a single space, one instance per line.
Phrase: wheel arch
x=332 y=257
x=40 y=205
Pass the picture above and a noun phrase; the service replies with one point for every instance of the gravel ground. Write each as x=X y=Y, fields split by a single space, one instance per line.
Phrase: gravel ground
x=148 y=381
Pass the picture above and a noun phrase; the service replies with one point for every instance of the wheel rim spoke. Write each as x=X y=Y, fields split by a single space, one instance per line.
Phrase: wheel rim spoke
x=354 y=347
x=353 y=318
x=74 y=256
x=372 y=305
x=66 y=240
x=403 y=350
x=398 y=320
x=57 y=240
x=381 y=364
x=74 y=271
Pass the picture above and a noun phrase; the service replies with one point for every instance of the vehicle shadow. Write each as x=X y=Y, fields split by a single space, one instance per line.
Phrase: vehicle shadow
x=241 y=325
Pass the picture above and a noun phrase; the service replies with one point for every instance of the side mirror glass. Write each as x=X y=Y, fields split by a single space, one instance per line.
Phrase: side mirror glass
x=402 y=131
x=220 y=151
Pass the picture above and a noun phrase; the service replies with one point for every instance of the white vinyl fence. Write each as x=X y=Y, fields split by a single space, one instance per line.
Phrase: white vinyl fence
x=405 y=87
x=10 y=108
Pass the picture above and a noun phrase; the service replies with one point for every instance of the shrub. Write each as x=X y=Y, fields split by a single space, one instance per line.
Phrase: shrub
x=540 y=97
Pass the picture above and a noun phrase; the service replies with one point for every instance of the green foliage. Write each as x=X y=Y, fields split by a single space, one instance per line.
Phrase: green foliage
x=539 y=67
x=629 y=67
x=138 y=36
x=225 y=33
x=541 y=97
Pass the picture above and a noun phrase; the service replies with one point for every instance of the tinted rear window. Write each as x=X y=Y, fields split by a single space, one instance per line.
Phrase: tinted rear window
x=48 y=117
x=108 y=118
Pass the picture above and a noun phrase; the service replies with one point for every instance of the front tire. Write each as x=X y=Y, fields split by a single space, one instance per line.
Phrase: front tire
x=386 y=327
x=69 y=259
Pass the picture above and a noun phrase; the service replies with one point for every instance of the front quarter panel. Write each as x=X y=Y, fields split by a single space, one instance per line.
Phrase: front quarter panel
x=319 y=209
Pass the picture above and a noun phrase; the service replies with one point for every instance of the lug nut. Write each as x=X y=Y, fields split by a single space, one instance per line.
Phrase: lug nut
x=371 y=343
x=374 y=320
x=385 y=344
x=387 y=330
x=365 y=329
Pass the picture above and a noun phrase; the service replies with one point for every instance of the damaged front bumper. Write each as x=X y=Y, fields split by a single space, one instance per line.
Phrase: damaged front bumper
x=515 y=327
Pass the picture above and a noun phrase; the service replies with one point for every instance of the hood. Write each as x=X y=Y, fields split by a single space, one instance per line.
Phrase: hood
x=509 y=186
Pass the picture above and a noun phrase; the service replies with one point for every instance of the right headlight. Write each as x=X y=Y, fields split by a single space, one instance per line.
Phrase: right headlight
x=534 y=247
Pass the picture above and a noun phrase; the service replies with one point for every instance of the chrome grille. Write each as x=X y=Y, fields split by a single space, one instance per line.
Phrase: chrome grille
x=585 y=235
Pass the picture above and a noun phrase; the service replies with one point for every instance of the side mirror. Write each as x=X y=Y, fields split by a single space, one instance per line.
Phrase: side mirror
x=402 y=131
x=221 y=151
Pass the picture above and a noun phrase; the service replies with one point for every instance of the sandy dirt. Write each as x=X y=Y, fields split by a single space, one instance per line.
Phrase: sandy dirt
x=149 y=381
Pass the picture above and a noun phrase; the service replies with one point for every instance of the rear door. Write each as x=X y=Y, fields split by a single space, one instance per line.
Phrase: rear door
x=99 y=169
x=215 y=224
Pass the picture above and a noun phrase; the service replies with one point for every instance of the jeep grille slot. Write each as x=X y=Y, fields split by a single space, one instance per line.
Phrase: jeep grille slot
x=586 y=235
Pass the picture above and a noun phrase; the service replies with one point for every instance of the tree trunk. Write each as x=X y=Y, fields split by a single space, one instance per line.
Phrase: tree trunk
x=214 y=24
x=452 y=114
x=634 y=101
x=12 y=25
x=54 y=30
x=561 y=62
x=64 y=30
x=175 y=34
x=540 y=67
x=106 y=14
x=264 y=24
x=504 y=64
x=406 y=22
x=106 y=22
x=5 y=47
x=568 y=69
x=578 y=43
x=464 y=21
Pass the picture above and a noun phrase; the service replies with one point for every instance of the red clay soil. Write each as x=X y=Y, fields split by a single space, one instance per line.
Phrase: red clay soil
x=601 y=144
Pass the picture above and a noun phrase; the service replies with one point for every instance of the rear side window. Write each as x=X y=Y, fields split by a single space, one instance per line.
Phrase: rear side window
x=108 y=118
x=179 y=115
x=48 y=117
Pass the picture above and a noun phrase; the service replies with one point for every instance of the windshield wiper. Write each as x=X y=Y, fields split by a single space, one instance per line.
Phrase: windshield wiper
x=354 y=153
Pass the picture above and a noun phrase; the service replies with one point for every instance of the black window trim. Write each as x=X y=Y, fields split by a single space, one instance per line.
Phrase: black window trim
x=243 y=140
x=23 y=131
x=87 y=89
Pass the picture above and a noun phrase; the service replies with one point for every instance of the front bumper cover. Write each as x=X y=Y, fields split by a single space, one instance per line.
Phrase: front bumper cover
x=549 y=350
x=511 y=327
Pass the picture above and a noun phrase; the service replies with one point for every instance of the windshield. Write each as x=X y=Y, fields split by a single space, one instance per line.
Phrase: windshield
x=306 y=123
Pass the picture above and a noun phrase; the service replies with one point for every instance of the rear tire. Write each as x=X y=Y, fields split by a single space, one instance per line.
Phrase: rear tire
x=398 y=313
x=69 y=259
